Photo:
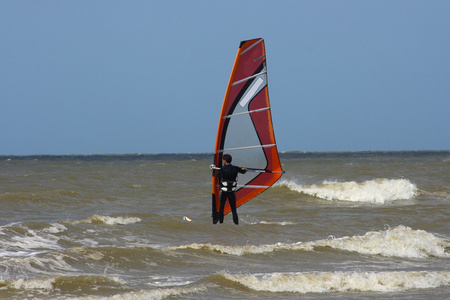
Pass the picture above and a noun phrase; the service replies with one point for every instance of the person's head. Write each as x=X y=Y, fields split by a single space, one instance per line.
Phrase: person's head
x=227 y=158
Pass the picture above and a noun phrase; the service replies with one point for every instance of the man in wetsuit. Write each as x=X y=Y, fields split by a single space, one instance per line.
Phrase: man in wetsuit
x=227 y=178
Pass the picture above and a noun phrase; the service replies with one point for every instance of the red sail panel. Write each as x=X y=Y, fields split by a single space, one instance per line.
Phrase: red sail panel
x=245 y=127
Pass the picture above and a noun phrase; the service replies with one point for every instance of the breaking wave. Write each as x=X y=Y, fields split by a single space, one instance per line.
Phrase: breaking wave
x=400 y=241
x=372 y=191
x=28 y=239
x=326 y=282
x=18 y=240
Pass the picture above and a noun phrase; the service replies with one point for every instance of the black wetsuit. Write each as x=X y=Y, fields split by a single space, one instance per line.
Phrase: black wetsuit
x=227 y=176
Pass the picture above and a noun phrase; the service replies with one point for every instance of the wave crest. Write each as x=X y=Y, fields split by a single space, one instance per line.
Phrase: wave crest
x=242 y=250
x=326 y=282
x=373 y=191
x=400 y=241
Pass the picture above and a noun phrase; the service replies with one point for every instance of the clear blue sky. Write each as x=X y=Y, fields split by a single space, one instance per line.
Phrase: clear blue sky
x=116 y=77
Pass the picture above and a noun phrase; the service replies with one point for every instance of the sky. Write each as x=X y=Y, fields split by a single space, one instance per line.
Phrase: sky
x=122 y=77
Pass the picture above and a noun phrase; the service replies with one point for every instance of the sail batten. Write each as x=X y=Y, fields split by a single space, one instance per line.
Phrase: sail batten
x=254 y=186
x=245 y=127
x=246 y=112
x=247 y=147
x=250 y=77
x=251 y=46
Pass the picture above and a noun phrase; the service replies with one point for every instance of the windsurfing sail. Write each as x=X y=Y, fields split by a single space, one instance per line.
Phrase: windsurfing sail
x=245 y=128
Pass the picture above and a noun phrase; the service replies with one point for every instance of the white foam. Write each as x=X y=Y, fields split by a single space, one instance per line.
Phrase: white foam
x=109 y=220
x=31 y=243
x=55 y=228
x=33 y=240
x=138 y=186
x=31 y=284
x=326 y=282
x=156 y=294
x=36 y=265
x=164 y=281
x=282 y=223
x=242 y=250
x=400 y=241
x=255 y=221
x=373 y=191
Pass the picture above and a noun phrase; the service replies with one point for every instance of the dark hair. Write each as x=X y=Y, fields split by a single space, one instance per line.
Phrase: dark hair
x=227 y=158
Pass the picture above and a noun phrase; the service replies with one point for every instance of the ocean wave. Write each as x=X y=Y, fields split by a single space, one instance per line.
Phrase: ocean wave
x=17 y=267
x=156 y=294
x=28 y=239
x=53 y=195
x=107 y=220
x=19 y=240
x=372 y=191
x=52 y=284
x=29 y=284
x=165 y=281
x=327 y=282
x=443 y=193
x=400 y=241
x=242 y=250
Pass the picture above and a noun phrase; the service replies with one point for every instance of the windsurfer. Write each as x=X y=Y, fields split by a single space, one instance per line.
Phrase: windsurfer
x=228 y=181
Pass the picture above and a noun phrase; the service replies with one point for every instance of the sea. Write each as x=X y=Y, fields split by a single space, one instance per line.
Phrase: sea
x=345 y=225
